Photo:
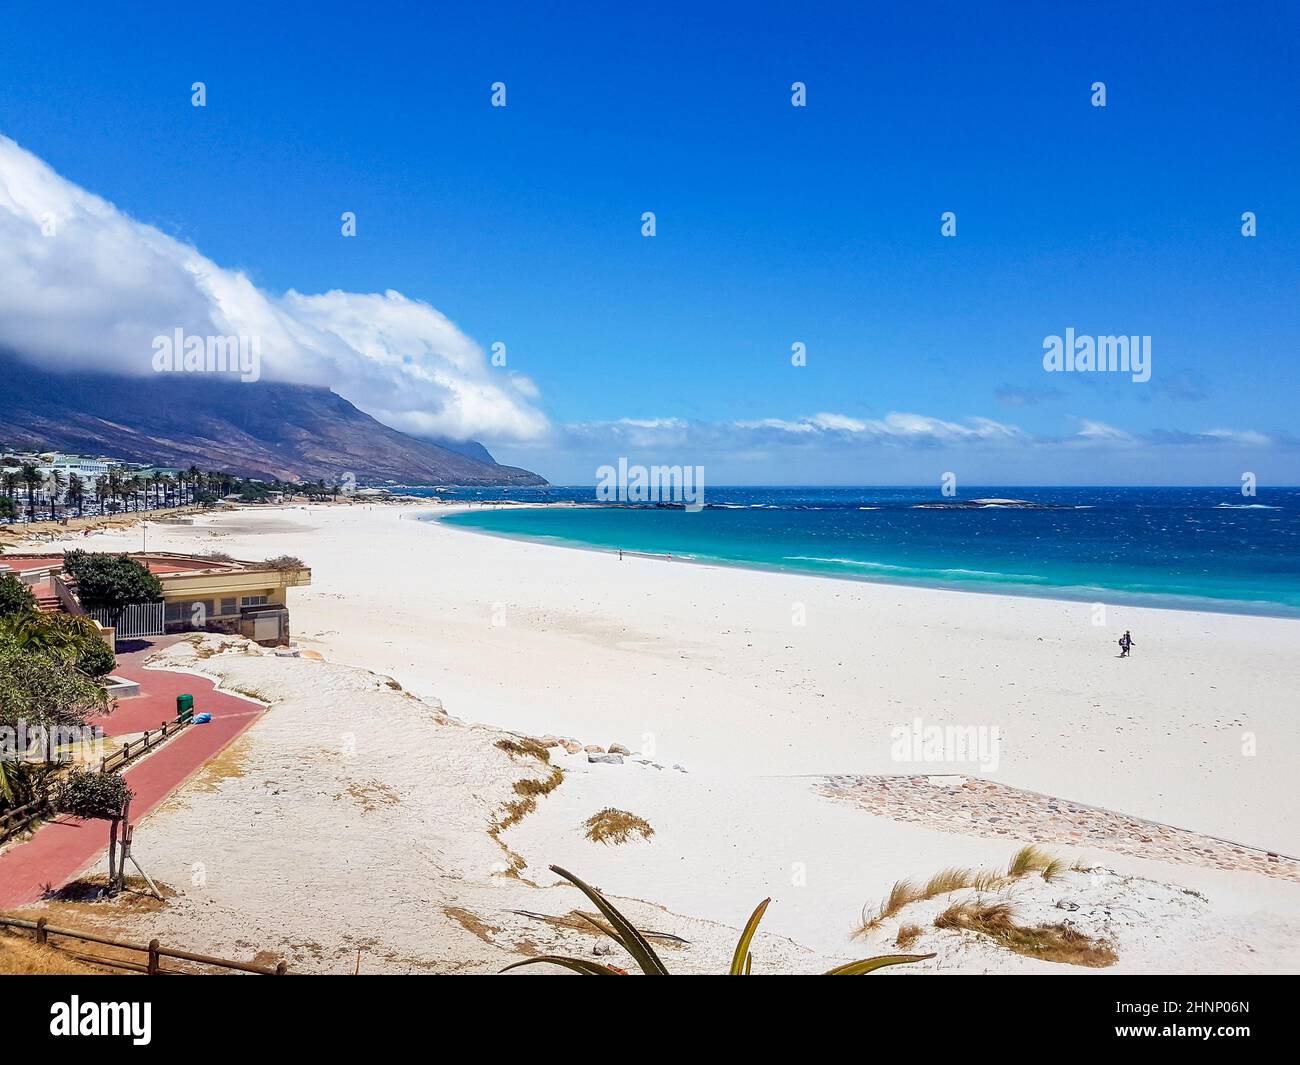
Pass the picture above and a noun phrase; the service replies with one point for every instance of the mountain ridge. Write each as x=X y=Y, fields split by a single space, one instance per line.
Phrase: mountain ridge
x=253 y=429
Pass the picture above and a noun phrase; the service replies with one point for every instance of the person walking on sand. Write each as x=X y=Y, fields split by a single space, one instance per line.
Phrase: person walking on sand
x=1125 y=644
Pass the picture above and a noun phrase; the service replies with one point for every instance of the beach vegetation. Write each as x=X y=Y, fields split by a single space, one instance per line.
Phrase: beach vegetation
x=1026 y=861
x=616 y=826
x=626 y=935
x=1030 y=859
x=522 y=747
x=1046 y=942
x=15 y=596
x=531 y=787
x=908 y=934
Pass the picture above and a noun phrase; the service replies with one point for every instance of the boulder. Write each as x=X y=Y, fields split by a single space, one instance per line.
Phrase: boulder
x=607 y=759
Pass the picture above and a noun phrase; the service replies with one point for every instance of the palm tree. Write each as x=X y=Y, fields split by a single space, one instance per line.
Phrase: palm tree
x=195 y=475
x=112 y=486
x=31 y=477
x=10 y=480
x=76 y=492
x=157 y=481
x=54 y=485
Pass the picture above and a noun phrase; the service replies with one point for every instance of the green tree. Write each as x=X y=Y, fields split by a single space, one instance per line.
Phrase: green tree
x=38 y=690
x=104 y=797
x=77 y=492
x=31 y=477
x=111 y=582
x=55 y=483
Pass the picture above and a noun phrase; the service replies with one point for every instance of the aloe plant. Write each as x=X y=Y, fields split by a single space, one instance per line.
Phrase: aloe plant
x=625 y=934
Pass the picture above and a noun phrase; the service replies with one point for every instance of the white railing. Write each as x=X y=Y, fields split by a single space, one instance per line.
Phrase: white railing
x=139 y=619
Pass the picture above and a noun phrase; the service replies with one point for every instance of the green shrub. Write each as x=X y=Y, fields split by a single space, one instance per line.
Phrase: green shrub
x=15 y=597
x=86 y=793
x=73 y=641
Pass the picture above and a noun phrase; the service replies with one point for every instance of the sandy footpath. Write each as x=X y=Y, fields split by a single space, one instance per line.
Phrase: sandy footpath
x=710 y=670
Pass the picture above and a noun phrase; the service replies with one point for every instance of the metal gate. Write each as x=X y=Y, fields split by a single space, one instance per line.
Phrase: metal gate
x=139 y=619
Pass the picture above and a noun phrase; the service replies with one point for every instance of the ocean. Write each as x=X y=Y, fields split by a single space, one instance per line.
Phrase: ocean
x=1184 y=548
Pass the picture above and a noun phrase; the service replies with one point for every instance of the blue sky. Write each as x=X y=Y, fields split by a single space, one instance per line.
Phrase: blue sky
x=776 y=224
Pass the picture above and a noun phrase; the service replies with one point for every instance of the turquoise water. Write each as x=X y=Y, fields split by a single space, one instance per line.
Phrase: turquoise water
x=1189 y=548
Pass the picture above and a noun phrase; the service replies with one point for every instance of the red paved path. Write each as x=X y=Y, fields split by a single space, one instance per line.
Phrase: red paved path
x=62 y=848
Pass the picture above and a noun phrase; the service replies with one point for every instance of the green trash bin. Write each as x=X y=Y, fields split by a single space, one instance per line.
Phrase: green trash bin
x=184 y=707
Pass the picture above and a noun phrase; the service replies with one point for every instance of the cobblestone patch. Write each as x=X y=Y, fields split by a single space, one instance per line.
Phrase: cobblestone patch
x=984 y=808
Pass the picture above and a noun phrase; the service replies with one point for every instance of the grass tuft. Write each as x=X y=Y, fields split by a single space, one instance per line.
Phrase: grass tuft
x=616 y=826
x=1028 y=859
x=1046 y=942
x=907 y=935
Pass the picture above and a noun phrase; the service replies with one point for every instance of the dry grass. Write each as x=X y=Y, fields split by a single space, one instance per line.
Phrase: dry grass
x=616 y=826
x=21 y=955
x=528 y=790
x=907 y=935
x=521 y=747
x=1053 y=869
x=1029 y=859
x=948 y=880
x=1046 y=942
x=532 y=787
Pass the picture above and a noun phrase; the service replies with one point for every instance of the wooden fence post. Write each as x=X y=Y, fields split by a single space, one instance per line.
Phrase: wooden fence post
x=112 y=853
x=42 y=936
x=155 y=965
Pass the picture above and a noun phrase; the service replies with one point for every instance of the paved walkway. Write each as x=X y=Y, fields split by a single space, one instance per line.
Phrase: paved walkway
x=62 y=848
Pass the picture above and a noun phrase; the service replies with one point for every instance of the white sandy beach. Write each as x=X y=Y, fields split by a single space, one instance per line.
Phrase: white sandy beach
x=705 y=668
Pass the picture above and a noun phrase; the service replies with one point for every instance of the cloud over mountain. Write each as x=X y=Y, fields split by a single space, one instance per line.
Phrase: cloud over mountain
x=87 y=287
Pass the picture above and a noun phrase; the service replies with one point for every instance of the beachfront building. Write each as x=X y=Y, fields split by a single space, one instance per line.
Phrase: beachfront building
x=199 y=594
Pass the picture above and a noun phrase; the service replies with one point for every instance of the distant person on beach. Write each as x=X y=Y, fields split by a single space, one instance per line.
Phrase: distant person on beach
x=1125 y=644
x=620 y=554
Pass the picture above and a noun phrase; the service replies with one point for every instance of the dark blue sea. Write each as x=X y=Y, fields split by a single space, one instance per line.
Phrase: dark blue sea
x=1188 y=548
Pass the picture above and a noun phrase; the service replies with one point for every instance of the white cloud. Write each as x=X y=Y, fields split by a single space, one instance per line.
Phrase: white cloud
x=1247 y=437
x=86 y=286
x=1094 y=430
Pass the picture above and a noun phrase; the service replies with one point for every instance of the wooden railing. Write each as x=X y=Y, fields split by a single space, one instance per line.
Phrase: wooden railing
x=137 y=747
x=154 y=951
x=16 y=820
